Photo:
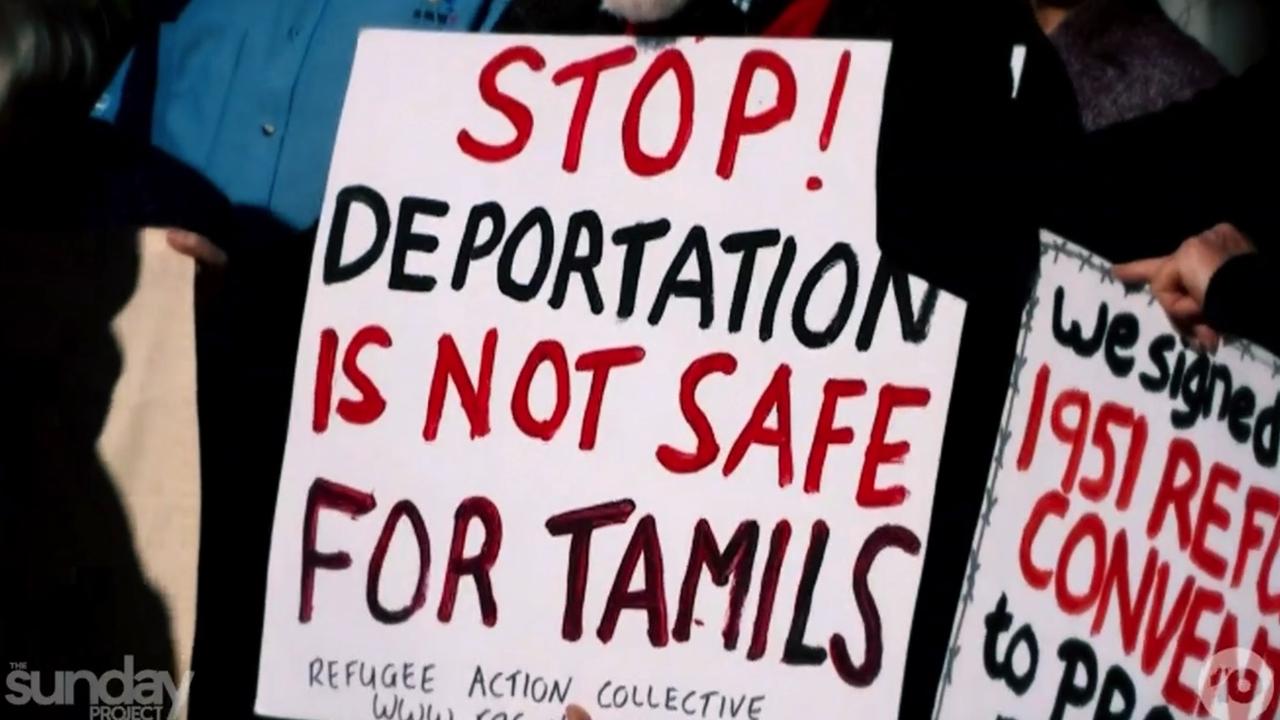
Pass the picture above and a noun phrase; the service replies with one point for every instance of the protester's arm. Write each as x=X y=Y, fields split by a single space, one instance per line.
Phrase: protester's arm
x=1216 y=282
x=1180 y=281
x=1138 y=189
x=1241 y=300
x=57 y=55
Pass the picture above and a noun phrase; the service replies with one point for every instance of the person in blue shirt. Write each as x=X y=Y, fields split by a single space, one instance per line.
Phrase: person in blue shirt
x=248 y=92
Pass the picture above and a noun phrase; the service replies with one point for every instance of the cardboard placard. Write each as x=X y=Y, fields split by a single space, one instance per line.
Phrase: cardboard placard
x=1124 y=563
x=603 y=393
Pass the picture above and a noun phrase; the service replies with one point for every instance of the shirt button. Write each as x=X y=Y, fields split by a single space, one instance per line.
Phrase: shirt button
x=268 y=129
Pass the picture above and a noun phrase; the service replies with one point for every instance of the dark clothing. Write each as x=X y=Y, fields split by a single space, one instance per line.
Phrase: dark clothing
x=57 y=55
x=1140 y=188
x=72 y=194
x=92 y=179
x=1126 y=59
x=1241 y=300
x=75 y=596
x=63 y=173
x=246 y=343
x=956 y=148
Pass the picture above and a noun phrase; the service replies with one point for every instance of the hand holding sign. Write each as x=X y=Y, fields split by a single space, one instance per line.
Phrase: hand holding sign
x=1180 y=281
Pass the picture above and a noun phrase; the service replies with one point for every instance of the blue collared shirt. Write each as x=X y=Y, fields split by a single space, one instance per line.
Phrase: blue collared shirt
x=248 y=92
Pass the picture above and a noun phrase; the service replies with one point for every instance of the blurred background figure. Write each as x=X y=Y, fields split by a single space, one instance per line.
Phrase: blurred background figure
x=78 y=593
x=54 y=57
x=1237 y=32
x=248 y=93
x=62 y=173
x=1125 y=58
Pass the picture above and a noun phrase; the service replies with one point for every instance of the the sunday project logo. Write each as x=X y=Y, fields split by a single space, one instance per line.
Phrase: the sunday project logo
x=125 y=693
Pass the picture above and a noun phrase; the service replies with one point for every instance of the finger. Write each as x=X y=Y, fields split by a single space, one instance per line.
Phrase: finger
x=576 y=713
x=1167 y=287
x=196 y=247
x=1167 y=278
x=1138 y=271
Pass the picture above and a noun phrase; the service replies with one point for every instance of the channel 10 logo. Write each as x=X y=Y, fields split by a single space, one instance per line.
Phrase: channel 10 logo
x=1236 y=684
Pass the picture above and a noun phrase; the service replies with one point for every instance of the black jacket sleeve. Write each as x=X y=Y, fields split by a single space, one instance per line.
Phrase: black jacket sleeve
x=1241 y=300
x=1138 y=189
x=957 y=147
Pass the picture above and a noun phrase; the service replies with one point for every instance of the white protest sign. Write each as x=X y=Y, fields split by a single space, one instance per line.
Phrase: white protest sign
x=1124 y=566
x=603 y=393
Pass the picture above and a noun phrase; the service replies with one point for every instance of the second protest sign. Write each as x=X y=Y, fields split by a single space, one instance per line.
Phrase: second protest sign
x=1124 y=565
